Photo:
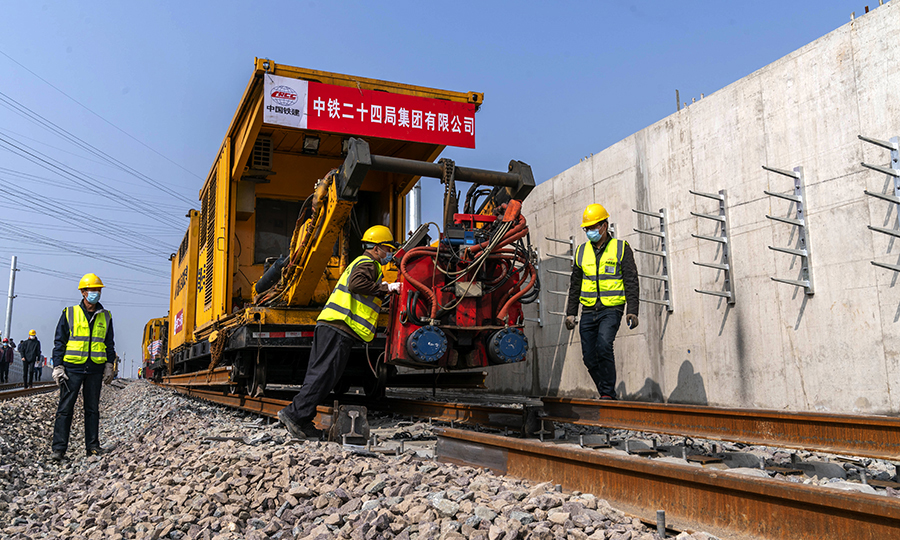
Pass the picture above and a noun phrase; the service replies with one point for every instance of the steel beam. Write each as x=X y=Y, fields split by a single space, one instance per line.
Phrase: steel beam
x=220 y=376
x=869 y=436
x=723 y=503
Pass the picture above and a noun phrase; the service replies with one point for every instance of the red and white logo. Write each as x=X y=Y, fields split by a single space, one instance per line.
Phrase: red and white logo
x=284 y=95
x=179 y=321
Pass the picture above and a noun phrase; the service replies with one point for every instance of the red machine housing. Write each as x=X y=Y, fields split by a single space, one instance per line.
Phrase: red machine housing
x=459 y=303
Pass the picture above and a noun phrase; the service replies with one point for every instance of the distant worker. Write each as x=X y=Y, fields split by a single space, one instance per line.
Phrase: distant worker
x=604 y=270
x=349 y=317
x=6 y=359
x=30 y=350
x=83 y=354
x=38 y=368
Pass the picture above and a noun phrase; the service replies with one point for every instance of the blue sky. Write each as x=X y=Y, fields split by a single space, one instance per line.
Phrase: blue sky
x=158 y=83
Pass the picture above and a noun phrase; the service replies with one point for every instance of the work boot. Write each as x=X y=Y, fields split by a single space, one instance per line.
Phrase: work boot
x=292 y=427
x=311 y=431
x=57 y=456
x=96 y=451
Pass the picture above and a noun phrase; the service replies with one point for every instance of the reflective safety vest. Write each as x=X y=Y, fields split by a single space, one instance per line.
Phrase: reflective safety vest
x=358 y=311
x=601 y=278
x=86 y=340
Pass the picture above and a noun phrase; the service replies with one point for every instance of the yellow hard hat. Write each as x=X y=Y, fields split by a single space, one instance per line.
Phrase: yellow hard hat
x=32 y=333
x=593 y=215
x=379 y=234
x=90 y=281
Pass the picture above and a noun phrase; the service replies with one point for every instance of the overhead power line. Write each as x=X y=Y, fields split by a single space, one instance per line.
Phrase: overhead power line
x=64 y=246
x=61 y=299
x=42 y=160
x=33 y=201
x=85 y=107
x=111 y=284
x=68 y=185
x=57 y=130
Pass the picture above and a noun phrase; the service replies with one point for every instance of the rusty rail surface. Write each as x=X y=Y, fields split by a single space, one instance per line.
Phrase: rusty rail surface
x=723 y=503
x=38 y=388
x=869 y=436
x=220 y=376
x=523 y=420
x=260 y=405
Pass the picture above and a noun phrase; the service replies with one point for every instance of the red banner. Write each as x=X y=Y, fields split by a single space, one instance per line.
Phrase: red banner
x=342 y=109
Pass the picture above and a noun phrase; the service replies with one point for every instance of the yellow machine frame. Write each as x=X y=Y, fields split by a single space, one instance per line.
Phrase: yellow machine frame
x=216 y=267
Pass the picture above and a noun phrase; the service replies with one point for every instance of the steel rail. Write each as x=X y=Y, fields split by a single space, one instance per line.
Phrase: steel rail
x=22 y=392
x=868 y=436
x=220 y=376
x=723 y=503
x=521 y=420
x=260 y=405
x=10 y=386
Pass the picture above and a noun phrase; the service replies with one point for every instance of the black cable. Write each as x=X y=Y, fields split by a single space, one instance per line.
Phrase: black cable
x=98 y=116
x=50 y=164
x=39 y=204
x=17 y=107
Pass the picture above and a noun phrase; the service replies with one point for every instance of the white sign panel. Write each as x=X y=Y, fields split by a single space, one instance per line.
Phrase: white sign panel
x=284 y=103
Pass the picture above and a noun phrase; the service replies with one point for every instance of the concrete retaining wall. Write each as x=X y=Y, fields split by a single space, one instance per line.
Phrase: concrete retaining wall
x=775 y=348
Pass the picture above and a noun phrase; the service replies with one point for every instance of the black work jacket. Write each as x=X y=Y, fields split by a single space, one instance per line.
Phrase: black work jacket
x=31 y=349
x=62 y=339
x=629 y=279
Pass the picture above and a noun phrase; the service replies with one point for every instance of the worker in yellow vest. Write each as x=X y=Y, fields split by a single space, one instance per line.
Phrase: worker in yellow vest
x=83 y=356
x=604 y=279
x=349 y=317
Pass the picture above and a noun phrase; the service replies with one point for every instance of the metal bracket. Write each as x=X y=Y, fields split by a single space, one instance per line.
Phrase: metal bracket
x=725 y=265
x=568 y=256
x=663 y=253
x=894 y=172
x=349 y=424
x=798 y=198
x=539 y=302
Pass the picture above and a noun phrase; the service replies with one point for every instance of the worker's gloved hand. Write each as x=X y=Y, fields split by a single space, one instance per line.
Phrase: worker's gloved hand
x=570 y=322
x=59 y=375
x=394 y=287
x=631 y=320
x=108 y=373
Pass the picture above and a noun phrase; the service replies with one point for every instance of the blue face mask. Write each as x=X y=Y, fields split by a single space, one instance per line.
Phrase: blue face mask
x=387 y=258
x=93 y=297
x=593 y=235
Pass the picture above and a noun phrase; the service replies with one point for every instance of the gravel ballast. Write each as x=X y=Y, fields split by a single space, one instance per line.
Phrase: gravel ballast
x=183 y=469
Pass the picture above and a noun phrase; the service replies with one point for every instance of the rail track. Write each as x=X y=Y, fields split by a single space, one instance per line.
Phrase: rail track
x=729 y=504
x=12 y=390
x=518 y=420
x=856 y=435
x=724 y=503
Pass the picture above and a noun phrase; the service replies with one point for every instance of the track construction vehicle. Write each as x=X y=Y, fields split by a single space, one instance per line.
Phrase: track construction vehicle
x=310 y=160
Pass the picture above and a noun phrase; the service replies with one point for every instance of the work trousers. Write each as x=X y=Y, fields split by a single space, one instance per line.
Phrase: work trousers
x=327 y=360
x=598 y=330
x=4 y=372
x=90 y=384
x=37 y=373
x=27 y=373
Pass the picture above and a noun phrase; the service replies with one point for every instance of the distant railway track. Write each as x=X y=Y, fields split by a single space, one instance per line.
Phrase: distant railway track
x=13 y=390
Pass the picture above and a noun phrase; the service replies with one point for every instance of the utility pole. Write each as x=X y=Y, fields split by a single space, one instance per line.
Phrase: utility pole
x=414 y=207
x=12 y=294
